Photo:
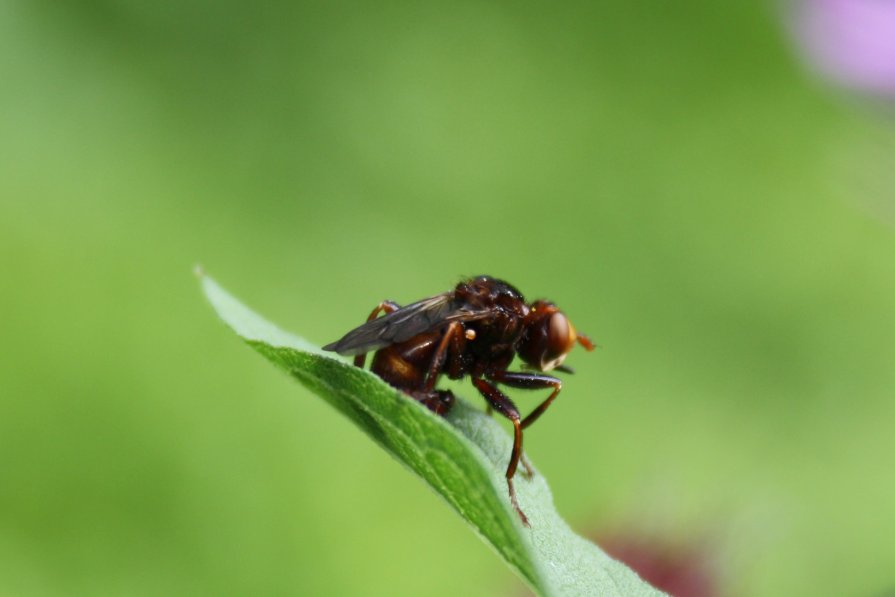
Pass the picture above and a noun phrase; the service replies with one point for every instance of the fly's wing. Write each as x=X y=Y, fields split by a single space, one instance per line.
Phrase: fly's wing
x=403 y=324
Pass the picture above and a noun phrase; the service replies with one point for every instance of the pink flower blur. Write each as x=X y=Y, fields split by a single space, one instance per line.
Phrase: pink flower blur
x=851 y=41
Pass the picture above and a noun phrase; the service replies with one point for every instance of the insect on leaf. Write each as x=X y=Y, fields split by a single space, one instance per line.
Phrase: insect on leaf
x=462 y=458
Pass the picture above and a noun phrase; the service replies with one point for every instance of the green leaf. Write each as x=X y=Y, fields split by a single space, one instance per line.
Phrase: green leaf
x=462 y=458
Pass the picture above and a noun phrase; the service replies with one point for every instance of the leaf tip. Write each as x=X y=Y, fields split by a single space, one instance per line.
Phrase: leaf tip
x=199 y=271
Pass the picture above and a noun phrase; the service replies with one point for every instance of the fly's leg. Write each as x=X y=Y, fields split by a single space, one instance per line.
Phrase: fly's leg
x=528 y=473
x=438 y=401
x=453 y=338
x=530 y=381
x=505 y=406
x=388 y=307
x=458 y=346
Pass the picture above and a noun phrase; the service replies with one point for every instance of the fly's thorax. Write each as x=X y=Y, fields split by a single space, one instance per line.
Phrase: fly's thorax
x=486 y=292
x=500 y=330
x=495 y=334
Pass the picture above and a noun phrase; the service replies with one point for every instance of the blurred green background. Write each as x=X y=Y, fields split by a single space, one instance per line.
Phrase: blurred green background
x=717 y=219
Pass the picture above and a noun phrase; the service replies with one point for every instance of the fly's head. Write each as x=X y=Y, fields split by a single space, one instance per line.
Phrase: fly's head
x=548 y=337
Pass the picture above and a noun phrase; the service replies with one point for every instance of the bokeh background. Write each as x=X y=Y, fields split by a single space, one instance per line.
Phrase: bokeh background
x=699 y=185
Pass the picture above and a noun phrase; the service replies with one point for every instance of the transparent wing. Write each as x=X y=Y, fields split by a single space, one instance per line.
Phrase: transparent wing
x=405 y=323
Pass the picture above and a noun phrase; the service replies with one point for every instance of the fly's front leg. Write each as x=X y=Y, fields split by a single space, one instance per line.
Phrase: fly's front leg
x=530 y=381
x=505 y=406
x=388 y=307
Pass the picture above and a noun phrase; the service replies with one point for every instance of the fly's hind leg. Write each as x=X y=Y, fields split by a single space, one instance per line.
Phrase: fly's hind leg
x=438 y=401
x=452 y=341
x=387 y=307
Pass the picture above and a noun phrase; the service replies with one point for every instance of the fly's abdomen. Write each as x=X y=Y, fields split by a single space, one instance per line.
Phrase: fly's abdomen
x=405 y=365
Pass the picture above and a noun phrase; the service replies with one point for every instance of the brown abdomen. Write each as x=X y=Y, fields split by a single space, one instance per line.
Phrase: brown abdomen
x=405 y=365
